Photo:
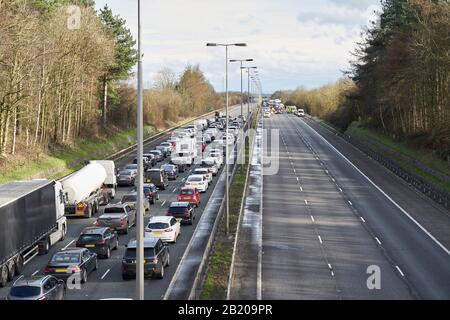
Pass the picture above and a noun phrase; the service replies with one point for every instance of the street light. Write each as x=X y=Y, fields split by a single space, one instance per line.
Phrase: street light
x=248 y=87
x=242 y=111
x=140 y=177
x=226 y=45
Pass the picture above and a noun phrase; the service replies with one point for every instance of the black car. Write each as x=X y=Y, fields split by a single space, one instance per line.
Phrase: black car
x=126 y=177
x=100 y=240
x=158 y=177
x=37 y=288
x=156 y=256
x=171 y=170
x=76 y=261
x=151 y=192
x=146 y=163
x=182 y=211
x=158 y=155
x=151 y=158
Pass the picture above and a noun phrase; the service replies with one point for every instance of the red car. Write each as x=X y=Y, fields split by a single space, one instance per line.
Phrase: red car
x=188 y=194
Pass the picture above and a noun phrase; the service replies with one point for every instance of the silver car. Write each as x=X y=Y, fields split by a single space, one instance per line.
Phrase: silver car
x=37 y=288
x=131 y=199
x=119 y=217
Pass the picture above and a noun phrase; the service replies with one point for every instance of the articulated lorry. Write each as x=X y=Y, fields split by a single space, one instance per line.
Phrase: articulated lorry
x=31 y=220
x=85 y=191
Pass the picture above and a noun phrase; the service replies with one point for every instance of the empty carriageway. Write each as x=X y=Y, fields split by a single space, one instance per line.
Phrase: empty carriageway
x=315 y=244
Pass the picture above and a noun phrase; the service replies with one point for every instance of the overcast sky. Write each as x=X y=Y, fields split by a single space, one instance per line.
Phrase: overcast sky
x=294 y=42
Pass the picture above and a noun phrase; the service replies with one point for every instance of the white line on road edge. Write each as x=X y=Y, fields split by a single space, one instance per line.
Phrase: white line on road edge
x=162 y=204
x=399 y=270
x=378 y=240
x=384 y=193
x=320 y=239
x=104 y=275
x=68 y=244
x=35 y=273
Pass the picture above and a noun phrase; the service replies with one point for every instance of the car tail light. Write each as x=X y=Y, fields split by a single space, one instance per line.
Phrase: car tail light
x=48 y=270
x=168 y=230
x=74 y=269
x=97 y=223
x=122 y=222
x=101 y=242
x=43 y=298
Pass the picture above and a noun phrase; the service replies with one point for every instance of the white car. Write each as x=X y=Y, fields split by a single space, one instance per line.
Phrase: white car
x=197 y=181
x=166 y=228
x=218 y=156
x=207 y=138
x=267 y=114
x=205 y=172
x=167 y=144
x=210 y=161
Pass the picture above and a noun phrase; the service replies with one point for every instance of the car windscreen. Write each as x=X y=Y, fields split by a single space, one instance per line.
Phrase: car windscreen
x=176 y=211
x=204 y=171
x=25 y=291
x=125 y=173
x=195 y=179
x=158 y=225
x=66 y=257
x=187 y=191
x=129 y=198
x=90 y=237
x=168 y=167
x=131 y=253
x=147 y=190
x=114 y=210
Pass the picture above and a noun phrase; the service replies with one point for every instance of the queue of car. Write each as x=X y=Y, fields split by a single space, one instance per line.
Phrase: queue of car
x=98 y=241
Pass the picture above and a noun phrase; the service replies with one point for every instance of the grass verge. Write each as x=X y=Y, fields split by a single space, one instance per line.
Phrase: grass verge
x=378 y=140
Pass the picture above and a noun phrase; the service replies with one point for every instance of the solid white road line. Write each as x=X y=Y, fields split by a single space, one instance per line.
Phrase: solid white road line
x=399 y=270
x=104 y=275
x=69 y=244
x=383 y=193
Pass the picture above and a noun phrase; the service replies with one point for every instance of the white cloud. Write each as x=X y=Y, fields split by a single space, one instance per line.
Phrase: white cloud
x=293 y=42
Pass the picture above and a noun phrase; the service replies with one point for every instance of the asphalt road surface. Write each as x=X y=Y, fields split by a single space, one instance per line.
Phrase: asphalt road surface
x=107 y=281
x=326 y=227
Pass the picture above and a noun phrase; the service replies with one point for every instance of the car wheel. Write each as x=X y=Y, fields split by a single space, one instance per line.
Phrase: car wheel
x=3 y=276
x=84 y=276
x=108 y=253
x=161 y=274
x=168 y=260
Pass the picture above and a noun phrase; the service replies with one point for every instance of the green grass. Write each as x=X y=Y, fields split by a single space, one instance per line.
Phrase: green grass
x=216 y=282
x=70 y=158
x=424 y=156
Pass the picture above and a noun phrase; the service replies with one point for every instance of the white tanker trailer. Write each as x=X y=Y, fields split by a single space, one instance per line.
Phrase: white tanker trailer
x=85 y=191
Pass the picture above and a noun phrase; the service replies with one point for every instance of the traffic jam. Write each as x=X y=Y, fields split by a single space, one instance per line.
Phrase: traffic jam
x=185 y=165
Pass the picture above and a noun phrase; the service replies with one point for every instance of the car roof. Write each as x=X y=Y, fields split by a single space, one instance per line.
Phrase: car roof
x=149 y=242
x=94 y=230
x=34 y=281
x=148 y=185
x=176 y=204
x=116 y=205
x=196 y=176
x=188 y=188
x=160 y=219
x=200 y=169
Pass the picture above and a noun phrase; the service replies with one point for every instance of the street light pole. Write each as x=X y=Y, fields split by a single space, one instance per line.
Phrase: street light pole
x=227 y=182
x=140 y=176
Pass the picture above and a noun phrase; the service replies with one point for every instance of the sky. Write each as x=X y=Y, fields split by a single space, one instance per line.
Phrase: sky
x=293 y=42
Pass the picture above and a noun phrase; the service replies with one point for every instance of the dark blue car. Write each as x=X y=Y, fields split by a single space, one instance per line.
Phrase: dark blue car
x=171 y=170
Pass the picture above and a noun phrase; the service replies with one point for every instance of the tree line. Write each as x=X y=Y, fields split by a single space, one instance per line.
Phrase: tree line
x=61 y=80
x=399 y=79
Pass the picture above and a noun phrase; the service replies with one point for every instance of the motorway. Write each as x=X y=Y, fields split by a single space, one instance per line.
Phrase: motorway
x=331 y=216
x=107 y=281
